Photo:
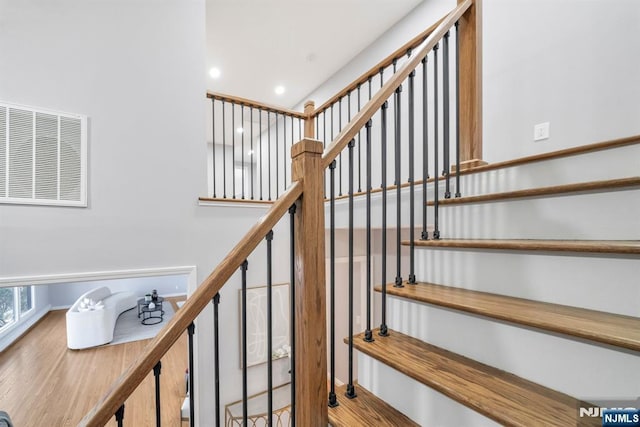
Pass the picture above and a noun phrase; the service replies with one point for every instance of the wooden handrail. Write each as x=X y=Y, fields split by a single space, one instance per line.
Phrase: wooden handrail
x=153 y=352
x=360 y=119
x=373 y=71
x=256 y=104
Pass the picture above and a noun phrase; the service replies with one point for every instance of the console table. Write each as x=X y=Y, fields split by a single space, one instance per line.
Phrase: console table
x=150 y=316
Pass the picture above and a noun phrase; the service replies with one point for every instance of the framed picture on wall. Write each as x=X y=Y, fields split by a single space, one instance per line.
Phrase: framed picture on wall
x=257 y=351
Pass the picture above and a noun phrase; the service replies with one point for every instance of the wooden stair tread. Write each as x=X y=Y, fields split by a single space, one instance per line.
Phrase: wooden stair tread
x=499 y=395
x=566 y=152
x=630 y=247
x=613 y=329
x=610 y=184
x=365 y=410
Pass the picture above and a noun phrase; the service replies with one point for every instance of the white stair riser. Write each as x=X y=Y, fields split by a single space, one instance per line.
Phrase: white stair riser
x=587 y=216
x=602 y=283
x=601 y=165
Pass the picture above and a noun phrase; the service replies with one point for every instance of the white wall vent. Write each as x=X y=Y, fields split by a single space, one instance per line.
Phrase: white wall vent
x=43 y=156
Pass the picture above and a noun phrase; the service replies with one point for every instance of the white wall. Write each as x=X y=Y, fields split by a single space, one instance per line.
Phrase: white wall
x=137 y=69
x=421 y=17
x=572 y=63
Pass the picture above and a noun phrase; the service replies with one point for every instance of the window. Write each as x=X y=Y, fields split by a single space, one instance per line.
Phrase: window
x=15 y=303
x=42 y=156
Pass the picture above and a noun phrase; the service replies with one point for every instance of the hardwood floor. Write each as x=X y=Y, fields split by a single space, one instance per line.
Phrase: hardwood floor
x=43 y=383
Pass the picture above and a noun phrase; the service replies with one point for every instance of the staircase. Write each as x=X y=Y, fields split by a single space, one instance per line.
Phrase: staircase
x=522 y=309
x=512 y=324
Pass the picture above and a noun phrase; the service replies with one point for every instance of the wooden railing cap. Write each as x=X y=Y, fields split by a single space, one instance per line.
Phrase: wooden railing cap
x=307 y=145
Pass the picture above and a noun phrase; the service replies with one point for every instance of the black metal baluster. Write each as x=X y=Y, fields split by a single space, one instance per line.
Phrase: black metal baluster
x=253 y=154
x=395 y=63
x=445 y=117
x=269 y=151
x=324 y=144
x=224 y=153
x=348 y=110
x=292 y=307
x=216 y=353
x=458 y=194
x=277 y=136
x=120 y=415
x=368 y=336
x=340 y=156
x=412 y=223
x=156 y=374
x=383 y=157
x=284 y=152
x=242 y=124
x=243 y=267
x=333 y=402
x=213 y=143
x=383 y=143
x=397 y=124
x=331 y=140
x=359 y=150
x=351 y=390
x=192 y=399
x=233 y=149
x=425 y=150
x=269 y=239
x=293 y=141
x=436 y=230
x=261 y=149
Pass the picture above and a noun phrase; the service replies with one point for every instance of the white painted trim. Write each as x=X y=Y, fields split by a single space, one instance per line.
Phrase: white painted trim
x=100 y=275
x=243 y=204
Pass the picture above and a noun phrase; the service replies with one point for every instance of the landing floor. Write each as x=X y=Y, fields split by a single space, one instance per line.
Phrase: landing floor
x=43 y=383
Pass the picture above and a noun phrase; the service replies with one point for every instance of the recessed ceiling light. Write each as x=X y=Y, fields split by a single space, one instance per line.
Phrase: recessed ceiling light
x=239 y=130
x=279 y=90
x=214 y=73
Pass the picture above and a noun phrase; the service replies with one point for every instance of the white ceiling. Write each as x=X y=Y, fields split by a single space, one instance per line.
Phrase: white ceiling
x=259 y=44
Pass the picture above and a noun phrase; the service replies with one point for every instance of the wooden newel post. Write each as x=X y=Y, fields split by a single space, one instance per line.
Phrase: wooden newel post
x=470 y=33
x=310 y=296
x=309 y=108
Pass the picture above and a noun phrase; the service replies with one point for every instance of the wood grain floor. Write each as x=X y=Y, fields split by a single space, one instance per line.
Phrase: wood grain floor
x=43 y=383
